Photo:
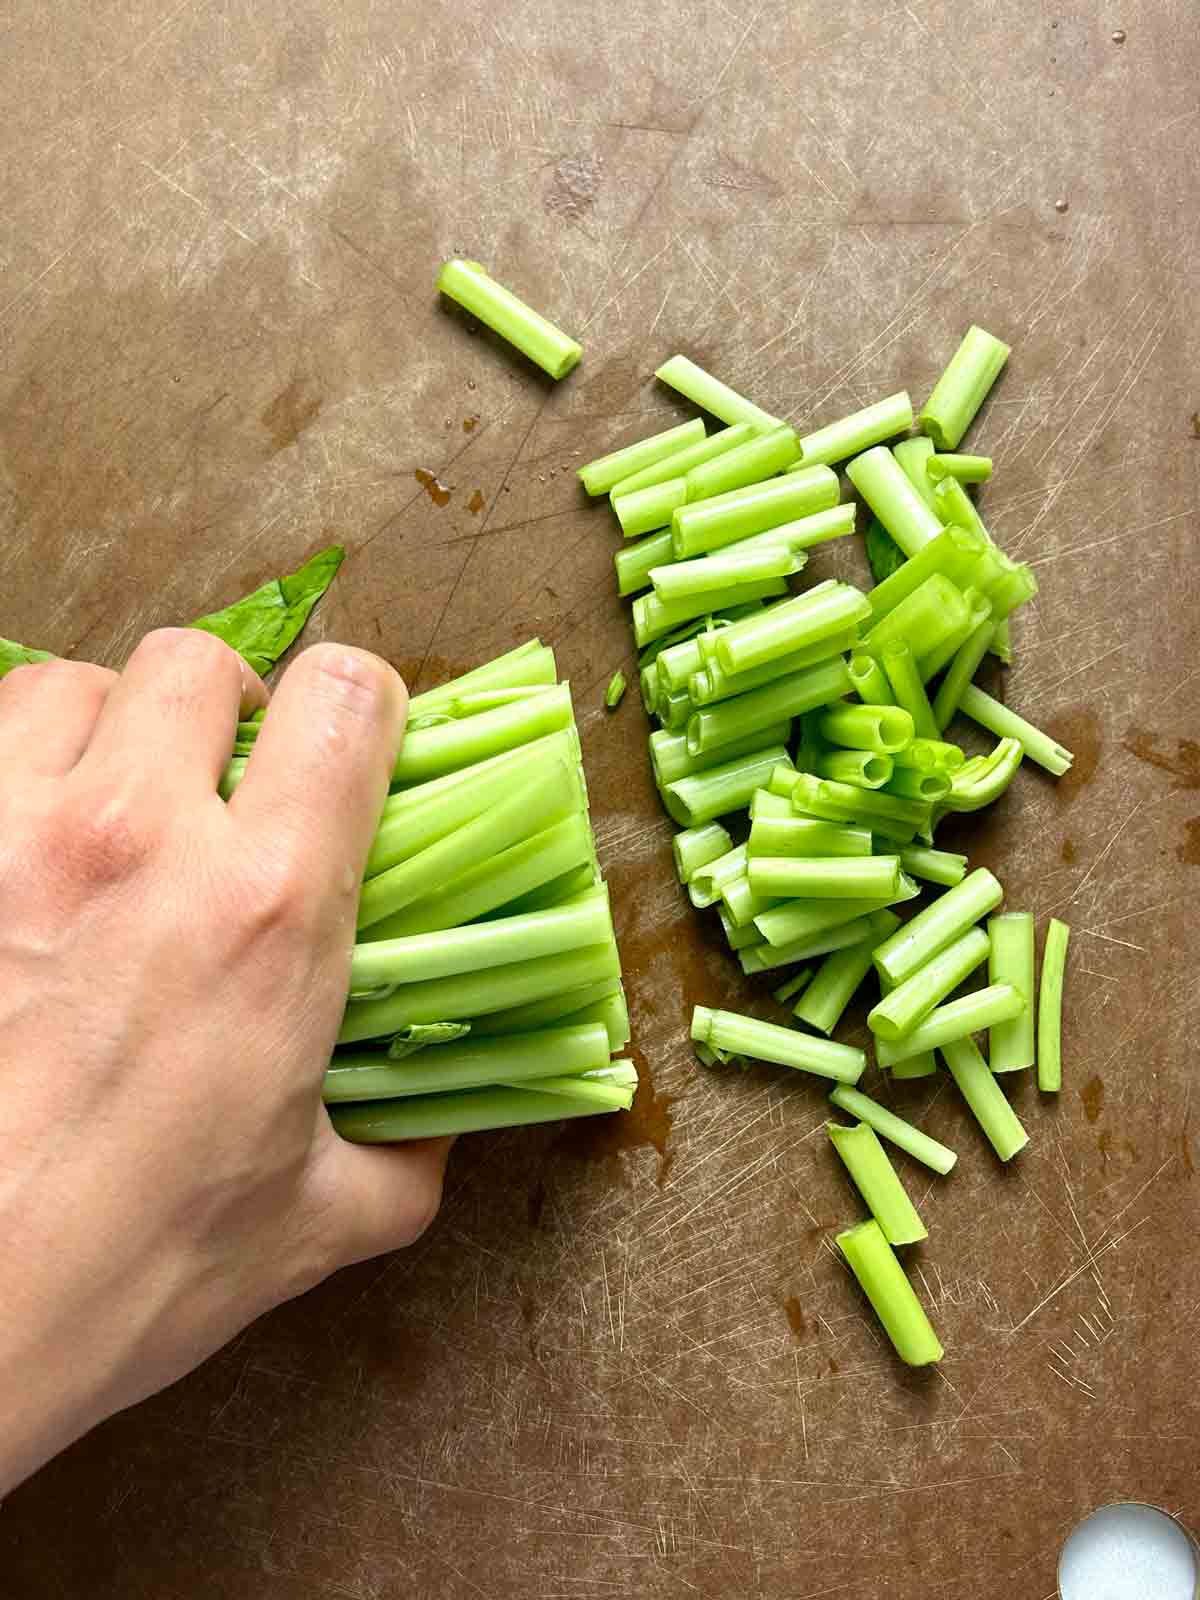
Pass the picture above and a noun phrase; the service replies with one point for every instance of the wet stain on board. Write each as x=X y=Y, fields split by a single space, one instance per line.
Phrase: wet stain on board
x=1183 y=766
x=794 y=1312
x=1189 y=851
x=646 y=1125
x=292 y=411
x=1079 y=731
x=1092 y=1095
x=433 y=486
x=475 y=503
x=1068 y=851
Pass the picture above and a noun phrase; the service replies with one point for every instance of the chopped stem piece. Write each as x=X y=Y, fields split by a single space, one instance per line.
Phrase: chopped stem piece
x=784 y=925
x=695 y=848
x=712 y=683
x=469 y=284
x=961 y=671
x=987 y=1100
x=1049 y=1041
x=962 y=388
x=712 y=524
x=983 y=1008
x=786 y=1047
x=635 y=562
x=701 y=796
x=759 y=458
x=910 y=1002
x=878 y=728
x=914 y=785
x=930 y=755
x=913 y=457
x=922 y=1065
x=821 y=613
x=615 y=692
x=436 y=752
x=742 y=903
x=979 y=613
x=738 y=938
x=924 y=618
x=819 y=528
x=789 y=990
x=1012 y=1044
x=467 y=1064
x=790 y=835
x=708 y=881
x=653 y=617
x=768 y=957
x=838 y=978
x=881 y=1278
x=893 y=1128
x=681 y=462
x=858 y=768
x=857 y=432
x=984 y=778
x=904 y=680
x=966 y=469
x=563 y=1008
x=603 y=474
x=721 y=724
x=647 y=509
x=890 y=815
x=934 y=866
x=885 y=487
x=938 y=925
x=681 y=579
x=711 y=395
x=826 y=877
x=670 y=759
x=870 y=685
x=466 y=1111
x=998 y=719
x=875 y=1178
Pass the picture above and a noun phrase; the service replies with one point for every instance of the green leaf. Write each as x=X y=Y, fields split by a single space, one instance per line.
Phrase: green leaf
x=19 y=655
x=418 y=1034
x=262 y=625
x=883 y=553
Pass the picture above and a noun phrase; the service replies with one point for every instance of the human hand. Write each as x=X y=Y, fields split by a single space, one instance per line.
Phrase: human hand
x=172 y=974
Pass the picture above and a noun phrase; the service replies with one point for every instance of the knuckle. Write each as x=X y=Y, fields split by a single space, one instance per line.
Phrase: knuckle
x=74 y=676
x=278 y=895
x=188 y=651
x=102 y=840
x=352 y=681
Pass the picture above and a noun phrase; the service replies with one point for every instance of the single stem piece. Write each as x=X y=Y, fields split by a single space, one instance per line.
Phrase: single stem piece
x=467 y=1111
x=960 y=672
x=804 y=532
x=469 y=284
x=768 y=957
x=701 y=796
x=922 y=1065
x=789 y=990
x=760 y=457
x=938 y=925
x=826 y=877
x=646 y=509
x=884 y=486
x=529 y=665
x=712 y=683
x=987 y=1100
x=429 y=753
x=671 y=760
x=742 y=903
x=962 y=388
x=467 y=1064
x=712 y=524
x=603 y=474
x=881 y=1278
x=681 y=462
x=934 y=866
x=472 y=994
x=697 y=847
x=909 y=1003
x=1012 y=1045
x=983 y=1008
x=966 y=469
x=857 y=432
x=738 y=938
x=894 y=1129
x=963 y=558
x=564 y=1007
x=708 y=881
x=790 y=835
x=1049 y=1039
x=979 y=613
x=923 y=619
x=875 y=1178
x=984 y=778
x=615 y=692
x=930 y=755
x=682 y=579
x=877 y=728
x=563 y=889
x=954 y=505
x=839 y=976
x=711 y=395
x=764 y=804
x=859 y=768
x=673 y=710
x=653 y=617
x=611 y=1011
x=904 y=680
x=870 y=685
x=721 y=724
x=635 y=562
x=912 y=456
x=998 y=719
x=806 y=619
x=890 y=815
x=914 y=785
x=767 y=1041
x=787 y=924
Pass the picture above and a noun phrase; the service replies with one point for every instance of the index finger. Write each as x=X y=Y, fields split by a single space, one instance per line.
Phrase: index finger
x=317 y=778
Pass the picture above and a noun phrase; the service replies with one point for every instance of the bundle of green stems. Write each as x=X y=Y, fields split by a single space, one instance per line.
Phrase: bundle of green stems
x=804 y=752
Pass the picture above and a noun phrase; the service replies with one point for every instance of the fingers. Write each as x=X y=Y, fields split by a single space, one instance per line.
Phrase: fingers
x=318 y=776
x=48 y=713
x=387 y=1196
x=172 y=716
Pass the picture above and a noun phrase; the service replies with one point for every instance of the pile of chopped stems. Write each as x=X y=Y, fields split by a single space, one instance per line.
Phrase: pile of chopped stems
x=485 y=983
x=805 y=752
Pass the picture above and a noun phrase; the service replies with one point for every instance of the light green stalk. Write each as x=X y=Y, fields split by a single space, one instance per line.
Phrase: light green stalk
x=966 y=469
x=961 y=671
x=682 y=461
x=785 y=925
x=894 y=1129
x=986 y=1098
x=694 y=848
x=826 y=877
x=788 y=835
x=859 y=768
x=603 y=474
x=746 y=714
x=467 y=1064
x=963 y=387
x=681 y=579
x=429 y=753
x=858 y=432
x=984 y=778
x=1049 y=1045
x=712 y=683
x=467 y=1111
x=882 y=1279
x=938 y=925
x=870 y=685
x=881 y=729
x=909 y=1003
x=653 y=617
x=885 y=487
x=712 y=524
x=1012 y=1045
x=1005 y=724
x=935 y=866
x=469 y=284
x=875 y=1178
x=839 y=977
x=759 y=458
x=983 y=1008
x=701 y=796
x=635 y=562
x=711 y=395
x=913 y=456
x=769 y=957
x=767 y=1041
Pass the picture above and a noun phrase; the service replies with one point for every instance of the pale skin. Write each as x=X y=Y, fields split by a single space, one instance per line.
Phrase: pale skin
x=172 y=974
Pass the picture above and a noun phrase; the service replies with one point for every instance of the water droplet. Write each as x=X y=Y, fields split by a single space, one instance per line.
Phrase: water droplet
x=475 y=503
x=471 y=423
x=437 y=491
x=1118 y=36
x=1062 y=205
x=470 y=383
